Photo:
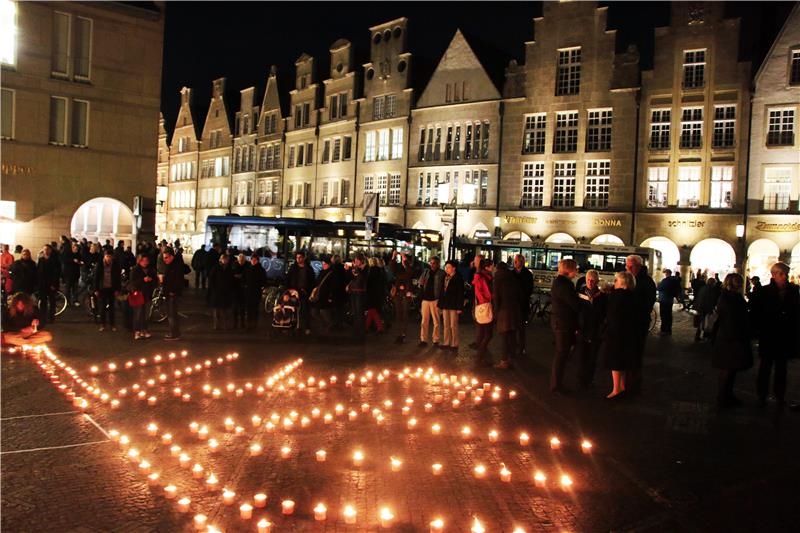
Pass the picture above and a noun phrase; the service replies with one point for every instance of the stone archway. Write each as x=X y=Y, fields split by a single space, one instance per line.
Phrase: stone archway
x=761 y=254
x=608 y=239
x=794 y=261
x=103 y=218
x=715 y=255
x=670 y=254
x=561 y=238
x=518 y=236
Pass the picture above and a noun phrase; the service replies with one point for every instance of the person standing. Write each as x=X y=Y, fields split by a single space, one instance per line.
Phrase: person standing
x=255 y=279
x=668 y=290
x=211 y=261
x=71 y=272
x=590 y=324
x=704 y=304
x=482 y=286
x=172 y=283
x=107 y=284
x=565 y=307
x=451 y=302
x=325 y=299
x=525 y=282
x=430 y=287
x=505 y=300
x=645 y=293
x=301 y=278
x=48 y=275
x=401 y=292
x=776 y=310
x=357 y=291
x=731 y=350
x=618 y=349
x=239 y=269
x=199 y=267
x=23 y=274
x=376 y=295
x=221 y=287
x=143 y=280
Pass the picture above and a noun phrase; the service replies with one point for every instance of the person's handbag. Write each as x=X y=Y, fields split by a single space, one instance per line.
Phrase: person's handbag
x=314 y=296
x=135 y=298
x=483 y=313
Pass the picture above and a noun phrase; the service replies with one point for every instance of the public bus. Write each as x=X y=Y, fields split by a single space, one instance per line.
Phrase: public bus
x=542 y=258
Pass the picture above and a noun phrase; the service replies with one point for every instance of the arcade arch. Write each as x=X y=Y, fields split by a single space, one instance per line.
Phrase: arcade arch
x=761 y=254
x=714 y=255
x=103 y=218
x=560 y=238
x=608 y=239
x=670 y=254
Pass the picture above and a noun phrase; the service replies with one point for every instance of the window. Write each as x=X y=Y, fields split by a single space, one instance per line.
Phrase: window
x=309 y=153
x=657 y=185
x=692 y=127
x=438 y=146
x=391 y=106
x=568 y=76
x=724 y=126
x=598 y=176
x=777 y=189
x=383 y=145
x=457 y=143
x=468 y=141
x=301 y=152
x=369 y=186
x=60 y=53
x=598 y=134
x=532 y=185
x=781 y=127
x=660 y=129
x=429 y=145
x=58 y=120
x=426 y=184
x=794 y=68
x=369 y=152
x=262 y=158
x=448 y=149
x=326 y=151
x=689 y=187
x=261 y=197
x=397 y=143
x=343 y=104
x=394 y=189
x=533 y=138
x=83 y=47
x=298 y=115
x=377 y=107
x=383 y=185
x=485 y=141
x=476 y=142
x=347 y=147
x=80 y=123
x=306 y=113
x=333 y=107
x=566 y=132
x=421 y=149
x=694 y=67
x=324 y=197
x=483 y=193
x=721 y=187
x=237 y=159
x=7 y=114
x=564 y=184
x=8 y=32
x=72 y=47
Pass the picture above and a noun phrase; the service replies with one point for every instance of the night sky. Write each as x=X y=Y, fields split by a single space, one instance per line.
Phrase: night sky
x=240 y=40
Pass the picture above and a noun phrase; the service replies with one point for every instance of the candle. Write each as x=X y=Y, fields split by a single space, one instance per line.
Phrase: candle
x=539 y=478
x=380 y=419
x=487 y=387
x=480 y=471
x=428 y=408
x=287 y=507
x=386 y=517
x=524 y=439
x=228 y=496
x=518 y=530
x=321 y=456
x=151 y=401
x=405 y=410
x=456 y=404
x=566 y=482
x=239 y=393
x=202 y=433
x=396 y=464
x=315 y=412
x=194 y=427
x=216 y=393
x=349 y=514
x=305 y=422
x=113 y=435
x=238 y=431
x=466 y=432
x=270 y=427
x=183 y=505
x=144 y=466
x=438 y=398
x=197 y=471
x=186 y=397
x=175 y=450
x=493 y=435
x=152 y=479
x=260 y=500
x=211 y=482
x=352 y=415
x=477 y=400
x=200 y=522
x=328 y=418
x=512 y=394
x=320 y=512
x=256 y=420
x=255 y=450
x=358 y=458
x=264 y=526
x=437 y=525
x=364 y=407
x=230 y=387
x=286 y=452
x=170 y=491
x=412 y=423
x=184 y=460
x=437 y=469
x=166 y=438
x=133 y=455
x=213 y=445
x=246 y=511
x=436 y=429
x=477 y=527
x=586 y=447
x=505 y=475
x=294 y=415
x=555 y=444
x=462 y=395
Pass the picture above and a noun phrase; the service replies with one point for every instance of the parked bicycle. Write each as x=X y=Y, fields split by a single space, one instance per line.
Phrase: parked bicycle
x=60 y=302
x=540 y=308
x=158 y=306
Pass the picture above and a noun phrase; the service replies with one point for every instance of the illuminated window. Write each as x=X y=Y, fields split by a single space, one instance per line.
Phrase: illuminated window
x=722 y=187
x=8 y=32
x=689 y=187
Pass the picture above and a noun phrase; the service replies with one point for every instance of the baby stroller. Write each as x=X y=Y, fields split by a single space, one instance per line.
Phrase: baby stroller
x=286 y=313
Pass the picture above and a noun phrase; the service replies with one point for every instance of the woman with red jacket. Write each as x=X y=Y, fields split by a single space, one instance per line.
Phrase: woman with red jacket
x=482 y=285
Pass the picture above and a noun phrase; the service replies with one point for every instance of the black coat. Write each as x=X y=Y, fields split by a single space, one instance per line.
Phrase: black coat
x=732 y=333
x=116 y=276
x=505 y=300
x=565 y=305
x=525 y=280
x=221 y=286
x=618 y=347
x=301 y=279
x=173 y=277
x=645 y=299
x=452 y=296
x=48 y=273
x=328 y=283
x=139 y=284
x=593 y=314
x=777 y=321
x=376 y=287
x=23 y=276
x=255 y=279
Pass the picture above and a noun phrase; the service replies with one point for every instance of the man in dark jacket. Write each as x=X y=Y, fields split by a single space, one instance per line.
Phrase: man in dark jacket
x=199 y=267
x=565 y=307
x=525 y=281
x=645 y=295
x=357 y=290
x=301 y=278
x=48 y=275
x=668 y=289
x=23 y=274
x=107 y=284
x=255 y=279
x=172 y=283
x=505 y=300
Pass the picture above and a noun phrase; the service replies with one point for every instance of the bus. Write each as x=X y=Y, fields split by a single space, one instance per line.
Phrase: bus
x=543 y=258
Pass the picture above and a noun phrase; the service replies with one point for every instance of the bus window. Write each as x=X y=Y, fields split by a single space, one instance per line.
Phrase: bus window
x=596 y=261
x=539 y=260
x=553 y=257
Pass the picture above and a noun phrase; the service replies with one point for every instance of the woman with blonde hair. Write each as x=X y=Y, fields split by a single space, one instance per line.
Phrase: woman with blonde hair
x=731 y=339
x=618 y=348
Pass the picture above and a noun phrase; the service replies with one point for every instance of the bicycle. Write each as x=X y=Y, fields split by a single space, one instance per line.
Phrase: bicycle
x=158 y=306
x=60 y=302
x=540 y=308
x=271 y=295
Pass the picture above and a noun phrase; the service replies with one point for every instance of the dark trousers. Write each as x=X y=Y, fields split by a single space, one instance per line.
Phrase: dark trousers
x=239 y=311
x=140 y=317
x=172 y=316
x=565 y=341
x=107 y=304
x=401 y=304
x=509 y=344
x=779 y=381
x=253 y=308
x=587 y=349
x=484 y=336
x=633 y=380
x=725 y=392
x=357 y=303
x=200 y=279
x=47 y=306
x=71 y=290
x=666 y=316
x=522 y=331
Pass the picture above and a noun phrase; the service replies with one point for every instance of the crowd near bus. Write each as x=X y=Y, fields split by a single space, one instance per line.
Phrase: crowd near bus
x=371 y=288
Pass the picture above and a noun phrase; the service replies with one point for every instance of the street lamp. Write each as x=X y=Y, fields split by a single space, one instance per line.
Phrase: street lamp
x=445 y=200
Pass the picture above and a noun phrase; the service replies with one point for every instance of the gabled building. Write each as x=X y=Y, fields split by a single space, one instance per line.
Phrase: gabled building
x=243 y=179
x=569 y=130
x=216 y=149
x=384 y=112
x=300 y=168
x=184 y=165
x=162 y=179
x=773 y=206
x=454 y=152
x=270 y=151
x=338 y=128
x=693 y=141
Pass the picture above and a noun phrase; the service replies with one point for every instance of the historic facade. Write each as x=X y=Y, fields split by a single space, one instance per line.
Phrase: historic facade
x=71 y=76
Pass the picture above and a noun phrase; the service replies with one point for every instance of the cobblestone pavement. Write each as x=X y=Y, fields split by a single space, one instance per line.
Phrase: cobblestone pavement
x=665 y=461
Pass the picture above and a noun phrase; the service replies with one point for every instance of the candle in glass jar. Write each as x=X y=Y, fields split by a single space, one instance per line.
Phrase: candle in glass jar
x=494 y=435
x=428 y=408
x=320 y=512
x=256 y=420
x=438 y=398
x=152 y=400
x=461 y=395
x=144 y=466
x=264 y=526
x=228 y=496
x=321 y=456
x=315 y=412
x=480 y=471
x=349 y=514
x=412 y=423
x=387 y=517
x=170 y=491
x=524 y=439
x=352 y=416
x=177 y=392
x=358 y=458
x=175 y=450
x=555 y=444
x=396 y=464
x=539 y=479
x=477 y=527
x=260 y=500
x=246 y=511
x=505 y=474
x=436 y=429
x=466 y=433
x=586 y=447
x=202 y=433
x=194 y=427
x=166 y=438
x=186 y=397
x=305 y=422
x=152 y=429
x=566 y=482
x=197 y=471
x=113 y=435
x=255 y=450
x=287 y=507
x=238 y=431
x=328 y=418
x=183 y=505
x=211 y=482
x=437 y=469
x=152 y=479
x=286 y=452
x=437 y=525
x=213 y=445
x=200 y=522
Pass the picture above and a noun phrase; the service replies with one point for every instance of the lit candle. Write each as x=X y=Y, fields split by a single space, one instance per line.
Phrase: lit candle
x=260 y=500
x=586 y=447
x=170 y=491
x=437 y=469
x=466 y=433
x=320 y=512
x=183 y=505
x=518 y=530
x=256 y=420
x=487 y=387
x=175 y=450
x=213 y=445
x=255 y=450
x=477 y=400
x=555 y=444
x=216 y=393
x=412 y=423
x=194 y=427
x=437 y=525
x=365 y=408
x=152 y=479
x=352 y=415
x=202 y=433
x=144 y=466
x=321 y=456
x=396 y=464
x=133 y=455
x=436 y=429
x=380 y=419
x=200 y=522
x=540 y=479
x=305 y=422
x=246 y=511
x=264 y=526
x=386 y=517
x=349 y=514
x=270 y=427
x=197 y=471
x=230 y=387
x=166 y=438
x=113 y=435
x=505 y=475
x=462 y=395
x=405 y=410
x=328 y=418
x=438 y=398
x=428 y=408
x=294 y=415
x=211 y=482
x=228 y=496
x=477 y=527
x=358 y=458
x=493 y=435
x=512 y=394
x=286 y=452
x=152 y=400
x=566 y=482
x=524 y=439
x=315 y=412
x=239 y=393
x=186 y=397
x=287 y=507
x=238 y=431
x=480 y=471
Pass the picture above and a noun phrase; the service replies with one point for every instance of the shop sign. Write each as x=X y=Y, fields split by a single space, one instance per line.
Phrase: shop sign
x=686 y=223
x=777 y=227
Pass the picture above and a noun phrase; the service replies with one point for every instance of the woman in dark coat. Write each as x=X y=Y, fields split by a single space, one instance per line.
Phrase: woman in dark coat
x=505 y=300
x=376 y=294
x=618 y=348
x=731 y=352
x=451 y=302
x=327 y=290
x=143 y=279
x=221 y=286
